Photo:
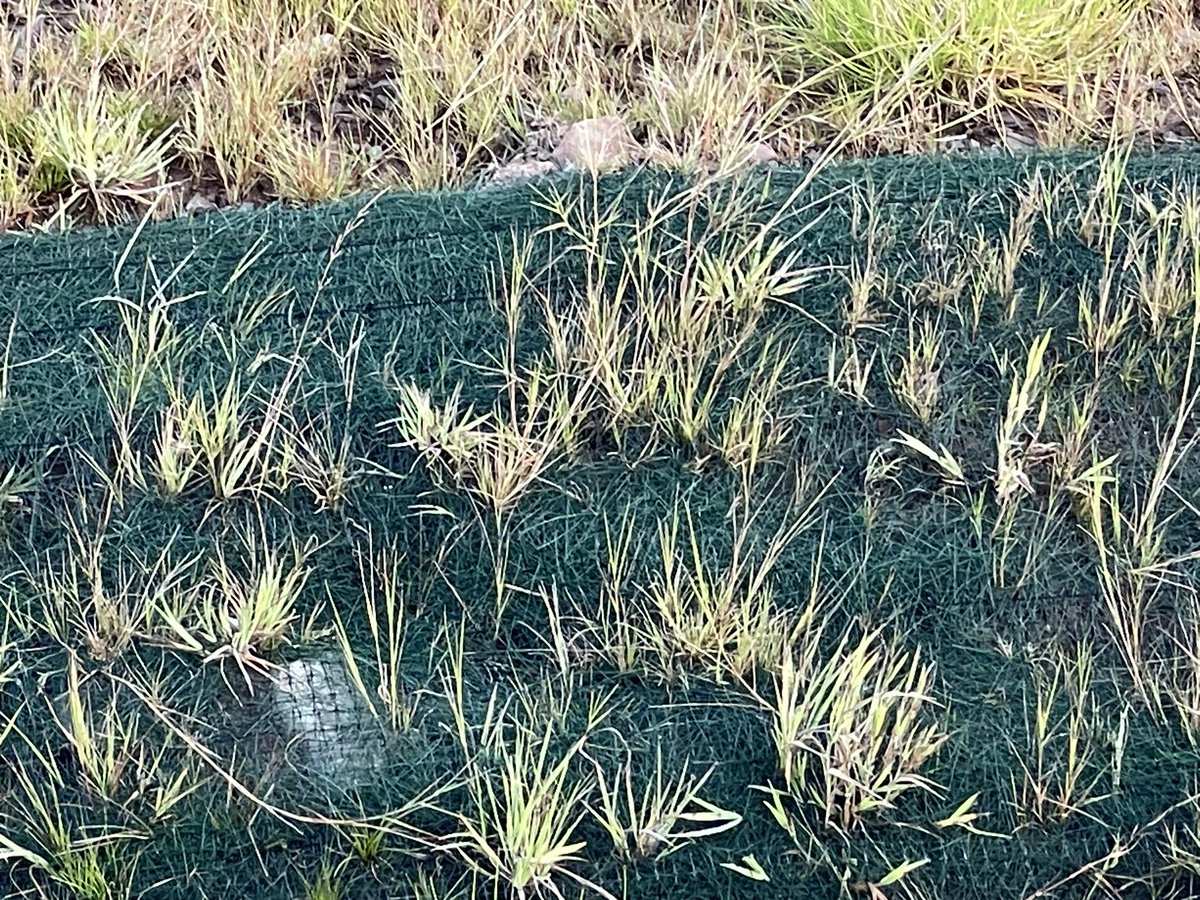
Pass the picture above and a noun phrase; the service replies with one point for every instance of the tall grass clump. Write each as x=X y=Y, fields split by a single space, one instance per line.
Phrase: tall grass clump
x=956 y=49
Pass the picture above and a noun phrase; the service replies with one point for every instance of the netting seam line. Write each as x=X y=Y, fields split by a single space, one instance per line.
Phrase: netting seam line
x=486 y=228
x=390 y=241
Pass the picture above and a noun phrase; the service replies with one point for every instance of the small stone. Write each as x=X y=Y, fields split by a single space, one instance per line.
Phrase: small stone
x=523 y=170
x=597 y=145
x=1019 y=141
x=762 y=153
x=953 y=144
x=199 y=204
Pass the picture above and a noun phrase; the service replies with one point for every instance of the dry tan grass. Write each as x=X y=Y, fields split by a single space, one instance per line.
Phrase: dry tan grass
x=236 y=100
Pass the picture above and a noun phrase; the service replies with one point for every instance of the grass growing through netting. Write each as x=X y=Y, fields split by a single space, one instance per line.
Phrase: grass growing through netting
x=719 y=570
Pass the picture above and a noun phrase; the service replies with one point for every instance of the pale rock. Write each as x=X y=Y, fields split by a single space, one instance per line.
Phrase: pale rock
x=762 y=153
x=522 y=170
x=1019 y=141
x=596 y=145
x=198 y=204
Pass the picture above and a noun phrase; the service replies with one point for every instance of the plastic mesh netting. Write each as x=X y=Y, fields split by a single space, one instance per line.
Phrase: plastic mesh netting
x=320 y=315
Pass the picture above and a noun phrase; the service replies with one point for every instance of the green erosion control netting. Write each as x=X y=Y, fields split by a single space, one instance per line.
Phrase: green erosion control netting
x=374 y=295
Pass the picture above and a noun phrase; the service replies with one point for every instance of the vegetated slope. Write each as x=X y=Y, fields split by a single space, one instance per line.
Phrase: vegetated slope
x=604 y=469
